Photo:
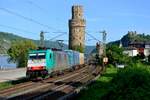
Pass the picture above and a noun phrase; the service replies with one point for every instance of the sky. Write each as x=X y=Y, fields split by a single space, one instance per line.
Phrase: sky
x=27 y=18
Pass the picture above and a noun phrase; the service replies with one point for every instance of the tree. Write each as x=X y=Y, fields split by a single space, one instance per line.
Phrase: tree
x=78 y=48
x=19 y=50
x=149 y=58
x=115 y=55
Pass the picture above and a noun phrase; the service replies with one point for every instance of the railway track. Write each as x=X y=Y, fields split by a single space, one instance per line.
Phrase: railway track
x=54 y=88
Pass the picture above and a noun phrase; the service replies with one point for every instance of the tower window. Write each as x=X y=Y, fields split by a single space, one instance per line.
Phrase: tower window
x=79 y=14
x=80 y=44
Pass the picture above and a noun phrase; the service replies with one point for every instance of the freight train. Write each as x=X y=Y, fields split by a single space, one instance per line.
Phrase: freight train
x=49 y=62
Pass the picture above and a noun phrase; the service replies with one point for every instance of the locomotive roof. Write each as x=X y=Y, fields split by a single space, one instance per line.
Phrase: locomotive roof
x=39 y=51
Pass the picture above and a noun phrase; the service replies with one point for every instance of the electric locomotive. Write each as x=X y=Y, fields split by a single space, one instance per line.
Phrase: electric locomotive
x=47 y=62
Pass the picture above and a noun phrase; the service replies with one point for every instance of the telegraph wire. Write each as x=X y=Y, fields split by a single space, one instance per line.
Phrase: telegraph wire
x=58 y=35
x=34 y=4
x=93 y=37
x=37 y=6
x=26 y=18
x=34 y=21
x=18 y=29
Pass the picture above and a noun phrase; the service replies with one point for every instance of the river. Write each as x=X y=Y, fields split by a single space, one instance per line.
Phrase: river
x=4 y=64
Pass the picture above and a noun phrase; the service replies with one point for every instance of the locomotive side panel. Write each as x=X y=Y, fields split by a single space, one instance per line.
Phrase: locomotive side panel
x=81 y=58
x=70 y=57
x=42 y=62
x=49 y=60
x=76 y=57
x=60 y=61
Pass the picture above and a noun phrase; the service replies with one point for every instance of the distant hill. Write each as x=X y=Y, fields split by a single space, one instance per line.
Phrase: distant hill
x=7 y=38
x=132 y=37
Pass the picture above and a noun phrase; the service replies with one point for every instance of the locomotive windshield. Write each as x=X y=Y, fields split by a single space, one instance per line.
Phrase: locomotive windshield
x=37 y=56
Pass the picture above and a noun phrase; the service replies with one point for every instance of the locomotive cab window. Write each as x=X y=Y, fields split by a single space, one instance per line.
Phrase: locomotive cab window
x=41 y=55
x=32 y=56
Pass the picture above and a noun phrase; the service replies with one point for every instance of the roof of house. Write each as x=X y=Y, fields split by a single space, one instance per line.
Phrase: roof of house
x=142 y=43
x=130 y=48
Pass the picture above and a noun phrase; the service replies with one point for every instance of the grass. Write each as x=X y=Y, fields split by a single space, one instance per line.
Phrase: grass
x=4 y=85
x=99 y=88
x=131 y=83
x=8 y=84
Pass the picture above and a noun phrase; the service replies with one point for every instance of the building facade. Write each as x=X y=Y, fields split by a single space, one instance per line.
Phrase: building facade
x=130 y=51
x=142 y=47
x=77 y=29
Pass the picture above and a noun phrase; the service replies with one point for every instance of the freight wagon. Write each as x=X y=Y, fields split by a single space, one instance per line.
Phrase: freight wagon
x=42 y=63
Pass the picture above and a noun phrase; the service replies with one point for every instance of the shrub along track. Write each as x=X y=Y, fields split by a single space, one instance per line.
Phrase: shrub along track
x=53 y=88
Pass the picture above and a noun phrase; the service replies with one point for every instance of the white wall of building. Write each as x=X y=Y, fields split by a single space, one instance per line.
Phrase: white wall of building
x=147 y=52
x=135 y=52
x=147 y=46
x=131 y=53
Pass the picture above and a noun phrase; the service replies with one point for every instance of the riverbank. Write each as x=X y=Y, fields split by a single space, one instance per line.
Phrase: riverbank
x=12 y=74
x=4 y=64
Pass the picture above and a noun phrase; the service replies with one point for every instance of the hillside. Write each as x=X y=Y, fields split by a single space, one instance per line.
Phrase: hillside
x=129 y=38
x=7 y=38
x=132 y=37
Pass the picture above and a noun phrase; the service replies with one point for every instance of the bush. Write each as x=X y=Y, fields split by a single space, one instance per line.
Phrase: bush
x=18 y=52
x=149 y=58
x=79 y=49
x=110 y=66
x=132 y=83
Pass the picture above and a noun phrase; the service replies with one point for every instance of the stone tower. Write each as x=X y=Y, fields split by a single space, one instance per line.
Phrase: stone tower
x=77 y=29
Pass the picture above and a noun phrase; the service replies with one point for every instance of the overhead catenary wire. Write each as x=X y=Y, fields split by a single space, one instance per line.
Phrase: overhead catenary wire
x=18 y=29
x=34 y=21
x=27 y=18
x=93 y=37
x=36 y=5
x=58 y=36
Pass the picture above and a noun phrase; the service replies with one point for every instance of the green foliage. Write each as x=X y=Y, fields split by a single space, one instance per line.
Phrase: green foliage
x=78 y=48
x=10 y=36
x=8 y=84
x=4 y=85
x=110 y=66
x=115 y=55
x=149 y=58
x=99 y=88
x=131 y=83
x=132 y=37
x=18 y=52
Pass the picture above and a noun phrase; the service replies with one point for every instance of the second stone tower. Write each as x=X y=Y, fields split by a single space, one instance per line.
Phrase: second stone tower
x=77 y=29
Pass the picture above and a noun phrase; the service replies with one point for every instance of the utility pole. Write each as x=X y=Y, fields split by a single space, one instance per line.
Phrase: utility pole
x=42 y=38
x=60 y=42
x=105 y=59
x=104 y=34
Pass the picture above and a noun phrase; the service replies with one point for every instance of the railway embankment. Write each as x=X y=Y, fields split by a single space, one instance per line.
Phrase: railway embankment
x=55 y=88
x=131 y=83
